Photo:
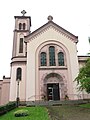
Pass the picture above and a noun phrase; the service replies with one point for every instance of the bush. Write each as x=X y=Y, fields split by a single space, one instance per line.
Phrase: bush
x=10 y=106
x=21 y=113
x=7 y=107
x=2 y=110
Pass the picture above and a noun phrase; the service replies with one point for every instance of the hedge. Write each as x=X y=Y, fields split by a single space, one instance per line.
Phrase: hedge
x=21 y=113
x=6 y=108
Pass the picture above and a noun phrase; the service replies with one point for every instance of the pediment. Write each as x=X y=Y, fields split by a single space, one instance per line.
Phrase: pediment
x=54 y=26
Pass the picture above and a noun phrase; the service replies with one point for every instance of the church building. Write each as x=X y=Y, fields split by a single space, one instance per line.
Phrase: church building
x=44 y=63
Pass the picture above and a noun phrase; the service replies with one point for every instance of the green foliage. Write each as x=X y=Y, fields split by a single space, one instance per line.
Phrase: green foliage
x=20 y=113
x=2 y=110
x=35 y=113
x=6 y=108
x=83 y=78
x=85 y=105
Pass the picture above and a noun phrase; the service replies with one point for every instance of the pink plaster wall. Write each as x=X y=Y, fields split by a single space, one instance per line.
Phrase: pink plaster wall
x=4 y=91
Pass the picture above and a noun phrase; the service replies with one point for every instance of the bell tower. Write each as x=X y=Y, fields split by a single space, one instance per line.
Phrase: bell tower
x=19 y=57
x=22 y=28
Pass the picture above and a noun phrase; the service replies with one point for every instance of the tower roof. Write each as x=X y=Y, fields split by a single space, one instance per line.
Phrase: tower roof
x=23 y=12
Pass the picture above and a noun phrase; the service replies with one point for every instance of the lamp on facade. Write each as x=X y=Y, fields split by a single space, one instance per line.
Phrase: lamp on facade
x=18 y=99
x=19 y=73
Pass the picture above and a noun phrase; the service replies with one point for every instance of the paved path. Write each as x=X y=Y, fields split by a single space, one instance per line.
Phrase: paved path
x=69 y=112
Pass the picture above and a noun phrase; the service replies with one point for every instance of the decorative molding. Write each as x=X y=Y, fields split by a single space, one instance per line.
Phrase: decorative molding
x=82 y=58
x=16 y=62
x=21 y=30
x=55 y=68
x=22 y=17
x=54 y=26
x=18 y=57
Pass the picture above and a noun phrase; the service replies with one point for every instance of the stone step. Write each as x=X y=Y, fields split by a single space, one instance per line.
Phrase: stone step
x=47 y=103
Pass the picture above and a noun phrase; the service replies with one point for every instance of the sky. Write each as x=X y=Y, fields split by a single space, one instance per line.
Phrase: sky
x=72 y=15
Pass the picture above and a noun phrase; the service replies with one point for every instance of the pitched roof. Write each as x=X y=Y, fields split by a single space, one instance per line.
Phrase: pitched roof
x=55 y=26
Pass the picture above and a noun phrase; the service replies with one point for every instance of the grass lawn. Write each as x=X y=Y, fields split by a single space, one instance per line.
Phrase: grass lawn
x=69 y=112
x=85 y=105
x=36 y=113
x=63 y=112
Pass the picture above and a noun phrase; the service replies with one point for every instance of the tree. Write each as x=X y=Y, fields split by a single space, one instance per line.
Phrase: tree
x=83 y=78
x=89 y=43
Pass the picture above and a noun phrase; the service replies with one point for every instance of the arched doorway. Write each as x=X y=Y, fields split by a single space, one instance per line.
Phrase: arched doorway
x=53 y=86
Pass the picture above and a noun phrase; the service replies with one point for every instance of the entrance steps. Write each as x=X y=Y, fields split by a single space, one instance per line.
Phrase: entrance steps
x=52 y=103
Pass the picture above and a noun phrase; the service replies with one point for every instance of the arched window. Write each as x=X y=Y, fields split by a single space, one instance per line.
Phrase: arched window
x=52 y=56
x=43 y=59
x=60 y=59
x=19 y=74
x=24 y=26
x=20 y=26
x=21 y=45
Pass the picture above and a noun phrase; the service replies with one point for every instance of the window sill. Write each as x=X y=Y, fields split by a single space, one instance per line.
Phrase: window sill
x=52 y=67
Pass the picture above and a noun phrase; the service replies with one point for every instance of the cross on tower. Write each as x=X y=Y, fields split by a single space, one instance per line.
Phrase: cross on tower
x=23 y=12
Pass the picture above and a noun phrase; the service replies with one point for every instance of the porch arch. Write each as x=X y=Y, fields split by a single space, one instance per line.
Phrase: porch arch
x=54 y=79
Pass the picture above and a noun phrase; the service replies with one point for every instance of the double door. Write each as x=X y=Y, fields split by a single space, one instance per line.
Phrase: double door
x=53 y=92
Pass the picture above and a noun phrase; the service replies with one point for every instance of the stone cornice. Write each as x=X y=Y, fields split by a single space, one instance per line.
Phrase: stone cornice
x=83 y=58
x=18 y=62
x=21 y=30
x=22 y=17
x=18 y=57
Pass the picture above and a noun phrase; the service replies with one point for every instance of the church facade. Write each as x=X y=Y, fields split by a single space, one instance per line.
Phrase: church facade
x=44 y=63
